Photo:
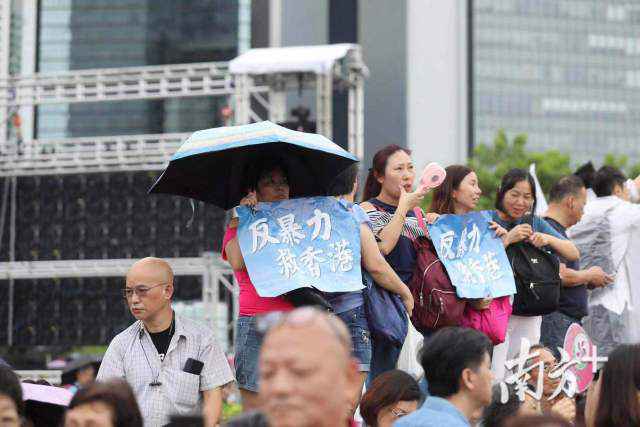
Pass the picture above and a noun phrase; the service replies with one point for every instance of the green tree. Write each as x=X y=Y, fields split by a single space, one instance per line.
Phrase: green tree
x=622 y=162
x=492 y=162
x=619 y=162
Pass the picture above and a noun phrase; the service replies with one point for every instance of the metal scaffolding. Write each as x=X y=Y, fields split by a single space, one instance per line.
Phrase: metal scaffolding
x=116 y=84
x=213 y=270
x=101 y=154
x=341 y=68
x=264 y=76
x=86 y=155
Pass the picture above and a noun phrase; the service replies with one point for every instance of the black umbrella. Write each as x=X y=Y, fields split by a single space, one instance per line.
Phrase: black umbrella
x=212 y=165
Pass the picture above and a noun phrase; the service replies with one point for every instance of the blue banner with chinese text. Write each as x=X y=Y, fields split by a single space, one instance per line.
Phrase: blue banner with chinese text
x=473 y=256
x=301 y=243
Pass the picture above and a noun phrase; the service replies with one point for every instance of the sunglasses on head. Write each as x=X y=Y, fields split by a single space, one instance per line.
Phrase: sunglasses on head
x=299 y=317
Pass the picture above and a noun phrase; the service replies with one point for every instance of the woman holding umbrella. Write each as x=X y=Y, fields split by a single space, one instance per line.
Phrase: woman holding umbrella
x=268 y=183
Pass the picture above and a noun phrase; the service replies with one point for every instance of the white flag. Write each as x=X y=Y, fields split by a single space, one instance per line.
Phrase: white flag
x=541 y=206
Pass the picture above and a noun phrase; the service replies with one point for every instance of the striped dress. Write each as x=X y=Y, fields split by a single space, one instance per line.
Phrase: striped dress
x=403 y=257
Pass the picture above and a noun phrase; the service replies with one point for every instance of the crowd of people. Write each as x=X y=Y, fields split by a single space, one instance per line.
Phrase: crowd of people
x=305 y=361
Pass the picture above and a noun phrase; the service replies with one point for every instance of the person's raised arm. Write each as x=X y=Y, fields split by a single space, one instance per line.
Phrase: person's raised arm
x=390 y=233
x=231 y=247
x=380 y=269
x=564 y=248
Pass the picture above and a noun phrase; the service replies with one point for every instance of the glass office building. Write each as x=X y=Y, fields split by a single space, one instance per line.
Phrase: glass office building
x=565 y=72
x=82 y=34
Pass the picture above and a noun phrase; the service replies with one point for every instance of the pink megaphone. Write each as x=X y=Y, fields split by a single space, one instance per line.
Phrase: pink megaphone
x=432 y=176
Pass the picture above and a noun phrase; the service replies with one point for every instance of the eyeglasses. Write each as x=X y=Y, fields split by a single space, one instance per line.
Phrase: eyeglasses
x=549 y=367
x=141 y=290
x=398 y=413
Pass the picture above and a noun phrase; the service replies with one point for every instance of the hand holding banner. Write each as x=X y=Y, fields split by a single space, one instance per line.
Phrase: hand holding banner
x=300 y=243
x=473 y=256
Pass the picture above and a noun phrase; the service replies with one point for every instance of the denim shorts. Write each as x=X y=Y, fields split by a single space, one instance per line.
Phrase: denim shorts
x=247 y=348
x=356 y=321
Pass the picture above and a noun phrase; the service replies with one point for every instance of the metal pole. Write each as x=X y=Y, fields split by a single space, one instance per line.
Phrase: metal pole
x=360 y=117
x=328 y=104
x=277 y=105
x=5 y=43
x=214 y=283
x=28 y=62
x=275 y=23
x=12 y=257
x=351 y=118
x=470 y=71
x=319 y=105
x=324 y=92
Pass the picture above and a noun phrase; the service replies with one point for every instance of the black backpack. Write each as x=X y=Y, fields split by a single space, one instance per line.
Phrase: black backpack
x=537 y=276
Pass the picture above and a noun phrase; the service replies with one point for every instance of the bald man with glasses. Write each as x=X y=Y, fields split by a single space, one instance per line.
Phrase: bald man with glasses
x=173 y=364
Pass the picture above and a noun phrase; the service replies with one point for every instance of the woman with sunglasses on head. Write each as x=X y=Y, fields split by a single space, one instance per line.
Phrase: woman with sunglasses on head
x=389 y=201
x=515 y=205
x=267 y=182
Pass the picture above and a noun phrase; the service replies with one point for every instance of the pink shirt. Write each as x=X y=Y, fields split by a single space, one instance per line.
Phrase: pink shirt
x=251 y=303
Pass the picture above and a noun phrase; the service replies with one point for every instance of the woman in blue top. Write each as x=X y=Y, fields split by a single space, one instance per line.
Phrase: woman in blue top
x=515 y=200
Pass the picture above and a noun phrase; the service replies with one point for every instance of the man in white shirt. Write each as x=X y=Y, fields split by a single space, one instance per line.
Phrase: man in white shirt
x=615 y=309
x=173 y=364
x=587 y=173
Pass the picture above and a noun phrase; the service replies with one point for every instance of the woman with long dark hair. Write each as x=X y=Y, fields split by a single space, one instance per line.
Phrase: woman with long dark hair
x=389 y=201
x=515 y=206
x=613 y=399
x=459 y=194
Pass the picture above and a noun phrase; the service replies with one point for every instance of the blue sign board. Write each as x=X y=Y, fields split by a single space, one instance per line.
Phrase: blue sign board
x=473 y=256
x=301 y=243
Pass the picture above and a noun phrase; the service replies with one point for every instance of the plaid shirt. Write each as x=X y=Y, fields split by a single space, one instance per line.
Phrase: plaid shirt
x=133 y=357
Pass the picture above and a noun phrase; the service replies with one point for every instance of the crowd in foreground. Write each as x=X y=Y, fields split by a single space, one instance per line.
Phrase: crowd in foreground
x=306 y=367
x=300 y=385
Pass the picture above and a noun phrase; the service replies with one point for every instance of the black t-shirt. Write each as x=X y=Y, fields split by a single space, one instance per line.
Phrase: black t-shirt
x=162 y=339
x=573 y=300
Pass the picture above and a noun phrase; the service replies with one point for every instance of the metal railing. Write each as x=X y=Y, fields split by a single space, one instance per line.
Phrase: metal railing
x=117 y=84
x=82 y=155
x=104 y=267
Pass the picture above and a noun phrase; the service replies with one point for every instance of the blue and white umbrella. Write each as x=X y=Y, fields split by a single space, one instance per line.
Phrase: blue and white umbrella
x=212 y=164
